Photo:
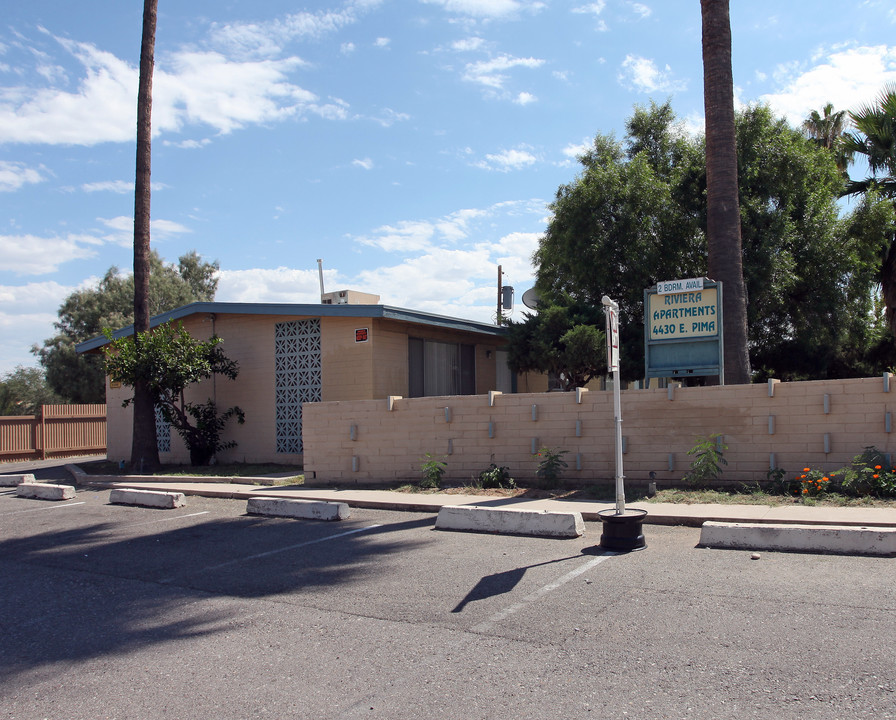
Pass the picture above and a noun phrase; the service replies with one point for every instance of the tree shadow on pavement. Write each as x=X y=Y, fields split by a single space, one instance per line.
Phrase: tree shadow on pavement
x=101 y=589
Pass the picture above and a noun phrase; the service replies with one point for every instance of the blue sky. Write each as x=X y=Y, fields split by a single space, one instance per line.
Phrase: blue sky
x=413 y=146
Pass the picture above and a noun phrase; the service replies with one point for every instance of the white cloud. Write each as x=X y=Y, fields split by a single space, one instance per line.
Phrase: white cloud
x=433 y=274
x=120 y=230
x=267 y=39
x=15 y=175
x=382 y=42
x=595 y=8
x=272 y=285
x=27 y=314
x=573 y=152
x=404 y=236
x=410 y=236
x=33 y=255
x=347 y=48
x=487 y=8
x=188 y=144
x=189 y=88
x=641 y=10
x=456 y=281
x=507 y=160
x=366 y=163
x=388 y=117
x=492 y=73
x=120 y=187
x=643 y=75
x=525 y=98
x=847 y=78
x=468 y=44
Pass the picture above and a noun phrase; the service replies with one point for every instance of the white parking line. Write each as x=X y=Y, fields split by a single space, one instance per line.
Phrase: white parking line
x=48 y=507
x=538 y=594
x=169 y=519
x=274 y=552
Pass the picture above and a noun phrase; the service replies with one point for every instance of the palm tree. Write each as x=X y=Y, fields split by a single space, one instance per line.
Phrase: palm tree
x=875 y=140
x=723 y=208
x=827 y=131
x=144 y=444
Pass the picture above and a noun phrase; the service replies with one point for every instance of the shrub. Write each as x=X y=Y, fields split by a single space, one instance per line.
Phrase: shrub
x=814 y=483
x=550 y=464
x=433 y=470
x=496 y=477
x=708 y=460
x=869 y=474
x=203 y=438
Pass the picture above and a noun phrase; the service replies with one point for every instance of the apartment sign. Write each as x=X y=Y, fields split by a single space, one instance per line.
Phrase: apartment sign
x=690 y=314
x=683 y=329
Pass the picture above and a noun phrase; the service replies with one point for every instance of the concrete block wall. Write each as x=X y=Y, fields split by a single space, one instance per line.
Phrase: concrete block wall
x=821 y=424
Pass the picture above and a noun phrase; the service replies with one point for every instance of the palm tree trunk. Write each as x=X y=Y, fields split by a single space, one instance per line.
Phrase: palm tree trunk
x=144 y=445
x=723 y=209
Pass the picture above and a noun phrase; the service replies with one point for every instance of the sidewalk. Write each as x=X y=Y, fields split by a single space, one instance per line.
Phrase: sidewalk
x=657 y=513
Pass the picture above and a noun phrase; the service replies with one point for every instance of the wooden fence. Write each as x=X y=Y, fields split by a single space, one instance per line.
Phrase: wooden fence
x=57 y=431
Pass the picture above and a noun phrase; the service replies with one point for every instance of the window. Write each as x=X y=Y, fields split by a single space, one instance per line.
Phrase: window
x=440 y=368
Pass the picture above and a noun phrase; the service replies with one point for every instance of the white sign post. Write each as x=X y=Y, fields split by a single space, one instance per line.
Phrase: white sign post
x=611 y=311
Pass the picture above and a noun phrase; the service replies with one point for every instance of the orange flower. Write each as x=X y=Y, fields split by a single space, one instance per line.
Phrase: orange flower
x=877 y=467
x=875 y=476
x=825 y=479
x=802 y=477
x=805 y=491
x=805 y=469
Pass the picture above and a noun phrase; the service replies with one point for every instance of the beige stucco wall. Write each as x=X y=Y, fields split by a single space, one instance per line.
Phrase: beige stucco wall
x=350 y=370
x=657 y=424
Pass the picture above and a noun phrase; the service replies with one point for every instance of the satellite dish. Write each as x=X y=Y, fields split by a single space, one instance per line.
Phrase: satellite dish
x=530 y=299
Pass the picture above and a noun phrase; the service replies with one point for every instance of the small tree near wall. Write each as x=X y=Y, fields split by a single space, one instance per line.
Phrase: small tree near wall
x=172 y=359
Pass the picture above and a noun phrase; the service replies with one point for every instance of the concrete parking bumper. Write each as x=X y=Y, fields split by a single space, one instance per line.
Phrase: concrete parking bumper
x=45 y=491
x=847 y=540
x=472 y=518
x=302 y=509
x=14 y=480
x=147 y=498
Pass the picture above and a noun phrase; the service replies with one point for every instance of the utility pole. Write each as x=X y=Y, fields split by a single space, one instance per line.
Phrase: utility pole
x=500 y=316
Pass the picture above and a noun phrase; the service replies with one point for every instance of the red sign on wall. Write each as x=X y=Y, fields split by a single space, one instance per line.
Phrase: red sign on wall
x=361 y=335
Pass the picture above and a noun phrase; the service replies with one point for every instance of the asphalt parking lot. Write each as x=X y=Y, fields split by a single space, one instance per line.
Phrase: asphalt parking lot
x=109 y=611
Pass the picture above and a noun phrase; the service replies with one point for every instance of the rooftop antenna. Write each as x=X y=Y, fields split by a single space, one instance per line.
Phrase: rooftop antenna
x=320 y=274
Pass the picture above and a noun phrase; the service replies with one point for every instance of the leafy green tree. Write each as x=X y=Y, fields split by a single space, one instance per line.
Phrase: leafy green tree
x=562 y=341
x=170 y=360
x=86 y=313
x=24 y=390
x=632 y=217
x=810 y=294
x=637 y=211
x=872 y=227
x=875 y=141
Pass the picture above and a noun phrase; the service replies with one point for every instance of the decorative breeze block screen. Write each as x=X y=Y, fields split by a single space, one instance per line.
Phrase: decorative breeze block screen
x=163 y=432
x=297 y=378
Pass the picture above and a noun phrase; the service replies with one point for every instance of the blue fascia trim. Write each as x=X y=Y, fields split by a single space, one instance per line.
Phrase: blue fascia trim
x=303 y=310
